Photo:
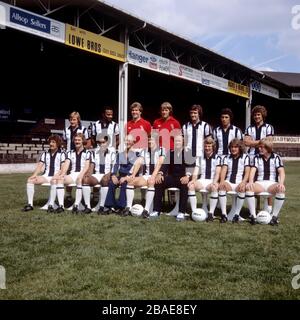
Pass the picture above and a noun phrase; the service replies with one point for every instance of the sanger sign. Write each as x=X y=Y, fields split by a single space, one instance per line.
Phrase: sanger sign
x=148 y=60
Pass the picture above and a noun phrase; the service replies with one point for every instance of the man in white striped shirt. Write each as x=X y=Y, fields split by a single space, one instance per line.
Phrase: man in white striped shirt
x=49 y=165
x=79 y=160
x=258 y=131
x=152 y=161
x=210 y=168
x=234 y=176
x=195 y=131
x=106 y=127
x=102 y=160
x=270 y=177
x=226 y=132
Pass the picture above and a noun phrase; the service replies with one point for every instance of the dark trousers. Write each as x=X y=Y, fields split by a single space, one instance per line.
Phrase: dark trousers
x=171 y=182
x=111 y=195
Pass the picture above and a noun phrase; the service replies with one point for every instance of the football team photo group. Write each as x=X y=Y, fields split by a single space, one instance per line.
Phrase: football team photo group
x=164 y=156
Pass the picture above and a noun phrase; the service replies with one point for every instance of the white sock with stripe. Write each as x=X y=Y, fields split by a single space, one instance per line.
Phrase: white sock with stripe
x=251 y=203
x=129 y=196
x=239 y=202
x=193 y=200
x=278 y=203
x=213 y=201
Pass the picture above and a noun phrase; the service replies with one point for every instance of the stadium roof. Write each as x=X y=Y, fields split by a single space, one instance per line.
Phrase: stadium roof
x=281 y=80
x=288 y=78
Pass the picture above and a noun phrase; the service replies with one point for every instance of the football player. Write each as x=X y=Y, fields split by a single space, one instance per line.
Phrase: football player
x=270 y=177
x=50 y=166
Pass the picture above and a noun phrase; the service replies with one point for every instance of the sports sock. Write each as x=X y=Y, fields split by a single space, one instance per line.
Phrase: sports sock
x=193 y=200
x=278 y=202
x=52 y=194
x=239 y=202
x=86 y=192
x=78 y=195
x=103 y=194
x=213 y=202
x=129 y=195
x=251 y=203
x=223 y=201
x=60 y=190
x=149 y=198
x=30 y=193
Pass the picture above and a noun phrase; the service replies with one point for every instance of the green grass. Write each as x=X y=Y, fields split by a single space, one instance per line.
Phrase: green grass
x=65 y=256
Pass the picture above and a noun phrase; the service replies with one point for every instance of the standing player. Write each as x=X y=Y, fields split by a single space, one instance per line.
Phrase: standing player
x=210 y=169
x=255 y=133
x=233 y=177
x=153 y=170
x=74 y=128
x=167 y=126
x=79 y=160
x=195 y=131
x=258 y=131
x=224 y=134
x=106 y=127
x=50 y=166
x=138 y=127
x=270 y=177
x=101 y=164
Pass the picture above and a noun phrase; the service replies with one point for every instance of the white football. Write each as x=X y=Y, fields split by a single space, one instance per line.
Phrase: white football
x=137 y=210
x=199 y=215
x=263 y=217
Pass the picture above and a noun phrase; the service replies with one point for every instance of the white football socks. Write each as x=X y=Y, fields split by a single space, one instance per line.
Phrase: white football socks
x=251 y=203
x=86 y=192
x=30 y=193
x=149 y=198
x=239 y=202
x=129 y=195
x=278 y=202
x=52 y=194
x=213 y=201
x=223 y=201
x=193 y=200
x=60 y=190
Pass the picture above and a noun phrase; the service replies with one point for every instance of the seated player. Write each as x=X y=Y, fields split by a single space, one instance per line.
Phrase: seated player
x=49 y=165
x=79 y=160
x=101 y=165
x=233 y=177
x=126 y=167
x=210 y=168
x=153 y=159
x=178 y=176
x=270 y=177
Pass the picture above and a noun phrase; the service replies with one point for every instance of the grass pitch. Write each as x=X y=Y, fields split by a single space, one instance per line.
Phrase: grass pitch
x=65 y=256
